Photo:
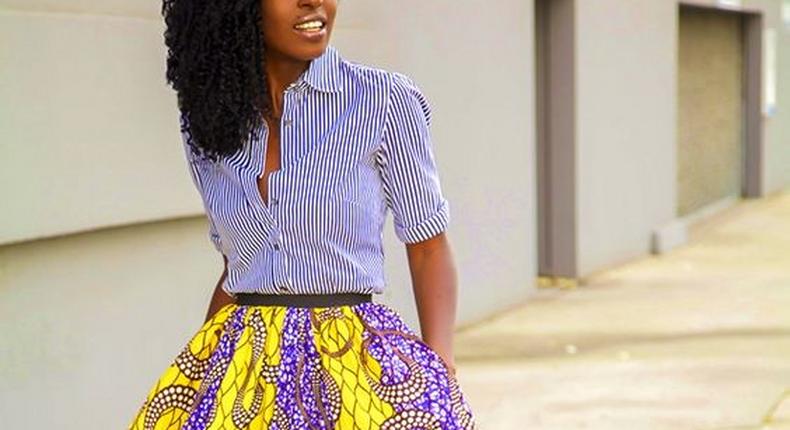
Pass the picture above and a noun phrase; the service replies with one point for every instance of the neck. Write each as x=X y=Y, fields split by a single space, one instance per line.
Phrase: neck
x=281 y=71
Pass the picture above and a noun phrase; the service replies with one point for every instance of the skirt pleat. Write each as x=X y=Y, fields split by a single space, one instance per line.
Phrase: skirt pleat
x=343 y=367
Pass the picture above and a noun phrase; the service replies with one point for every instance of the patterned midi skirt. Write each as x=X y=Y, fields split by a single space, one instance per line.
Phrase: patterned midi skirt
x=345 y=367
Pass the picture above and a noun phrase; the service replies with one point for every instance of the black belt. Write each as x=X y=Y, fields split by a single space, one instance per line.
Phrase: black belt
x=302 y=300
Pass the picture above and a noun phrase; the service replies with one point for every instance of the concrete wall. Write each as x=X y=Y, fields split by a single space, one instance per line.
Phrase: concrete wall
x=105 y=267
x=83 y=108
x=626 y=110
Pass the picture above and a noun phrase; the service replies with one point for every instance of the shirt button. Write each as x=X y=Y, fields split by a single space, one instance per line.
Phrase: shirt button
x=274 y=201
x=277 y=246
x=288 y=121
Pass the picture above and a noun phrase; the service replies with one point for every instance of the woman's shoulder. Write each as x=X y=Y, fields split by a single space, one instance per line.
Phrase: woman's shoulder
x=371 y=75
x=401 y=91
x=397 y=90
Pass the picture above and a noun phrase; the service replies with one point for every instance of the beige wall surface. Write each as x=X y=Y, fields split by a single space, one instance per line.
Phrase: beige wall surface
x=121 y=8
x=626 y=127
x=86 y=111
x=107 y=270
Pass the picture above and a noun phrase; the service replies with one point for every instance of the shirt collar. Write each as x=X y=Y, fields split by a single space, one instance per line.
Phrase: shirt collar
x=323 y=73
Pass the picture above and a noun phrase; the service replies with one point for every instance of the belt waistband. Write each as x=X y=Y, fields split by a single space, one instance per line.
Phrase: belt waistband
x=302 y=300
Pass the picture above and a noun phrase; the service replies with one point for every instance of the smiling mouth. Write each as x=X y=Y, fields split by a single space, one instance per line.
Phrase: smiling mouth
x=310 y=26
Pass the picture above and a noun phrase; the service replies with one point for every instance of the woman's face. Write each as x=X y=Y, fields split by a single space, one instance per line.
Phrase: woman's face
x=283 y=34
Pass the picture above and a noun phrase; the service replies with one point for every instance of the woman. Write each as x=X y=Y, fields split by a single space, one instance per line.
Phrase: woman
x=298 y=154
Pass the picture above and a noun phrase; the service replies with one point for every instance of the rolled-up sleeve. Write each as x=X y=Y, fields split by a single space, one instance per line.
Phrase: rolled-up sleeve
x=197 y=179
x=408 y=168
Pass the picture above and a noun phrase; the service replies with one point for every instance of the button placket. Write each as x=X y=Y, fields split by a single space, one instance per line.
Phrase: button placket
x=285 y=146
x=286 y=121
x=264 y=210
x=296 y=89
x=280 y=277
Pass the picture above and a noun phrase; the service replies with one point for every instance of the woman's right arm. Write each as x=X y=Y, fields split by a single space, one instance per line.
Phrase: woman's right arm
x=219 y=298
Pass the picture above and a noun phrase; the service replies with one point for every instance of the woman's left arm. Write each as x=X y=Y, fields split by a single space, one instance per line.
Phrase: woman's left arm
x=434 y=281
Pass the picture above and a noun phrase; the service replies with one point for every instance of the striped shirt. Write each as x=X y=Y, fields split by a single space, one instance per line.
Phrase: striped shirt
x=354 y=144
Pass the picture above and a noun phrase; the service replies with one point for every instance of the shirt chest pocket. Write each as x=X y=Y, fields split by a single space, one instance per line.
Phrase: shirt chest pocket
x=361 y=186
x=340 y=205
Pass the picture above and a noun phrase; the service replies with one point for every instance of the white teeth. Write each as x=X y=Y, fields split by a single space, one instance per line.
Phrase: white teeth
x=309 y=25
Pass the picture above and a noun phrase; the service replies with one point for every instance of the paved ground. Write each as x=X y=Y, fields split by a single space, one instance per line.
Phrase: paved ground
x=695 y=339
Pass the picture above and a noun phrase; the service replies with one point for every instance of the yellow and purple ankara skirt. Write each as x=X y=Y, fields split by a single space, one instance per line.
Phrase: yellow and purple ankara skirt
x=345 y=367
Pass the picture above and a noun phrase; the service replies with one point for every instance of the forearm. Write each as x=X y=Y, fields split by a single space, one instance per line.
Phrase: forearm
x=434 y=282
x=219 y=298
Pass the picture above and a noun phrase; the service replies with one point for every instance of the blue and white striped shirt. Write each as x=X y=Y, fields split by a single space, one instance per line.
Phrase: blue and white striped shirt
x=354 y=143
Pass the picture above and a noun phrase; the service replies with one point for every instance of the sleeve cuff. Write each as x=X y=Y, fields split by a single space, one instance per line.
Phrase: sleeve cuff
x=426 y=229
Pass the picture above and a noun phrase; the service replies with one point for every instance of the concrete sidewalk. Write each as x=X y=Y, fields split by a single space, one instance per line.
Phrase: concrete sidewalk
x=695 y=339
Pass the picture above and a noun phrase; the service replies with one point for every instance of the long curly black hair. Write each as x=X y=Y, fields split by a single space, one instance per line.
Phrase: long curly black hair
x=215 y=63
